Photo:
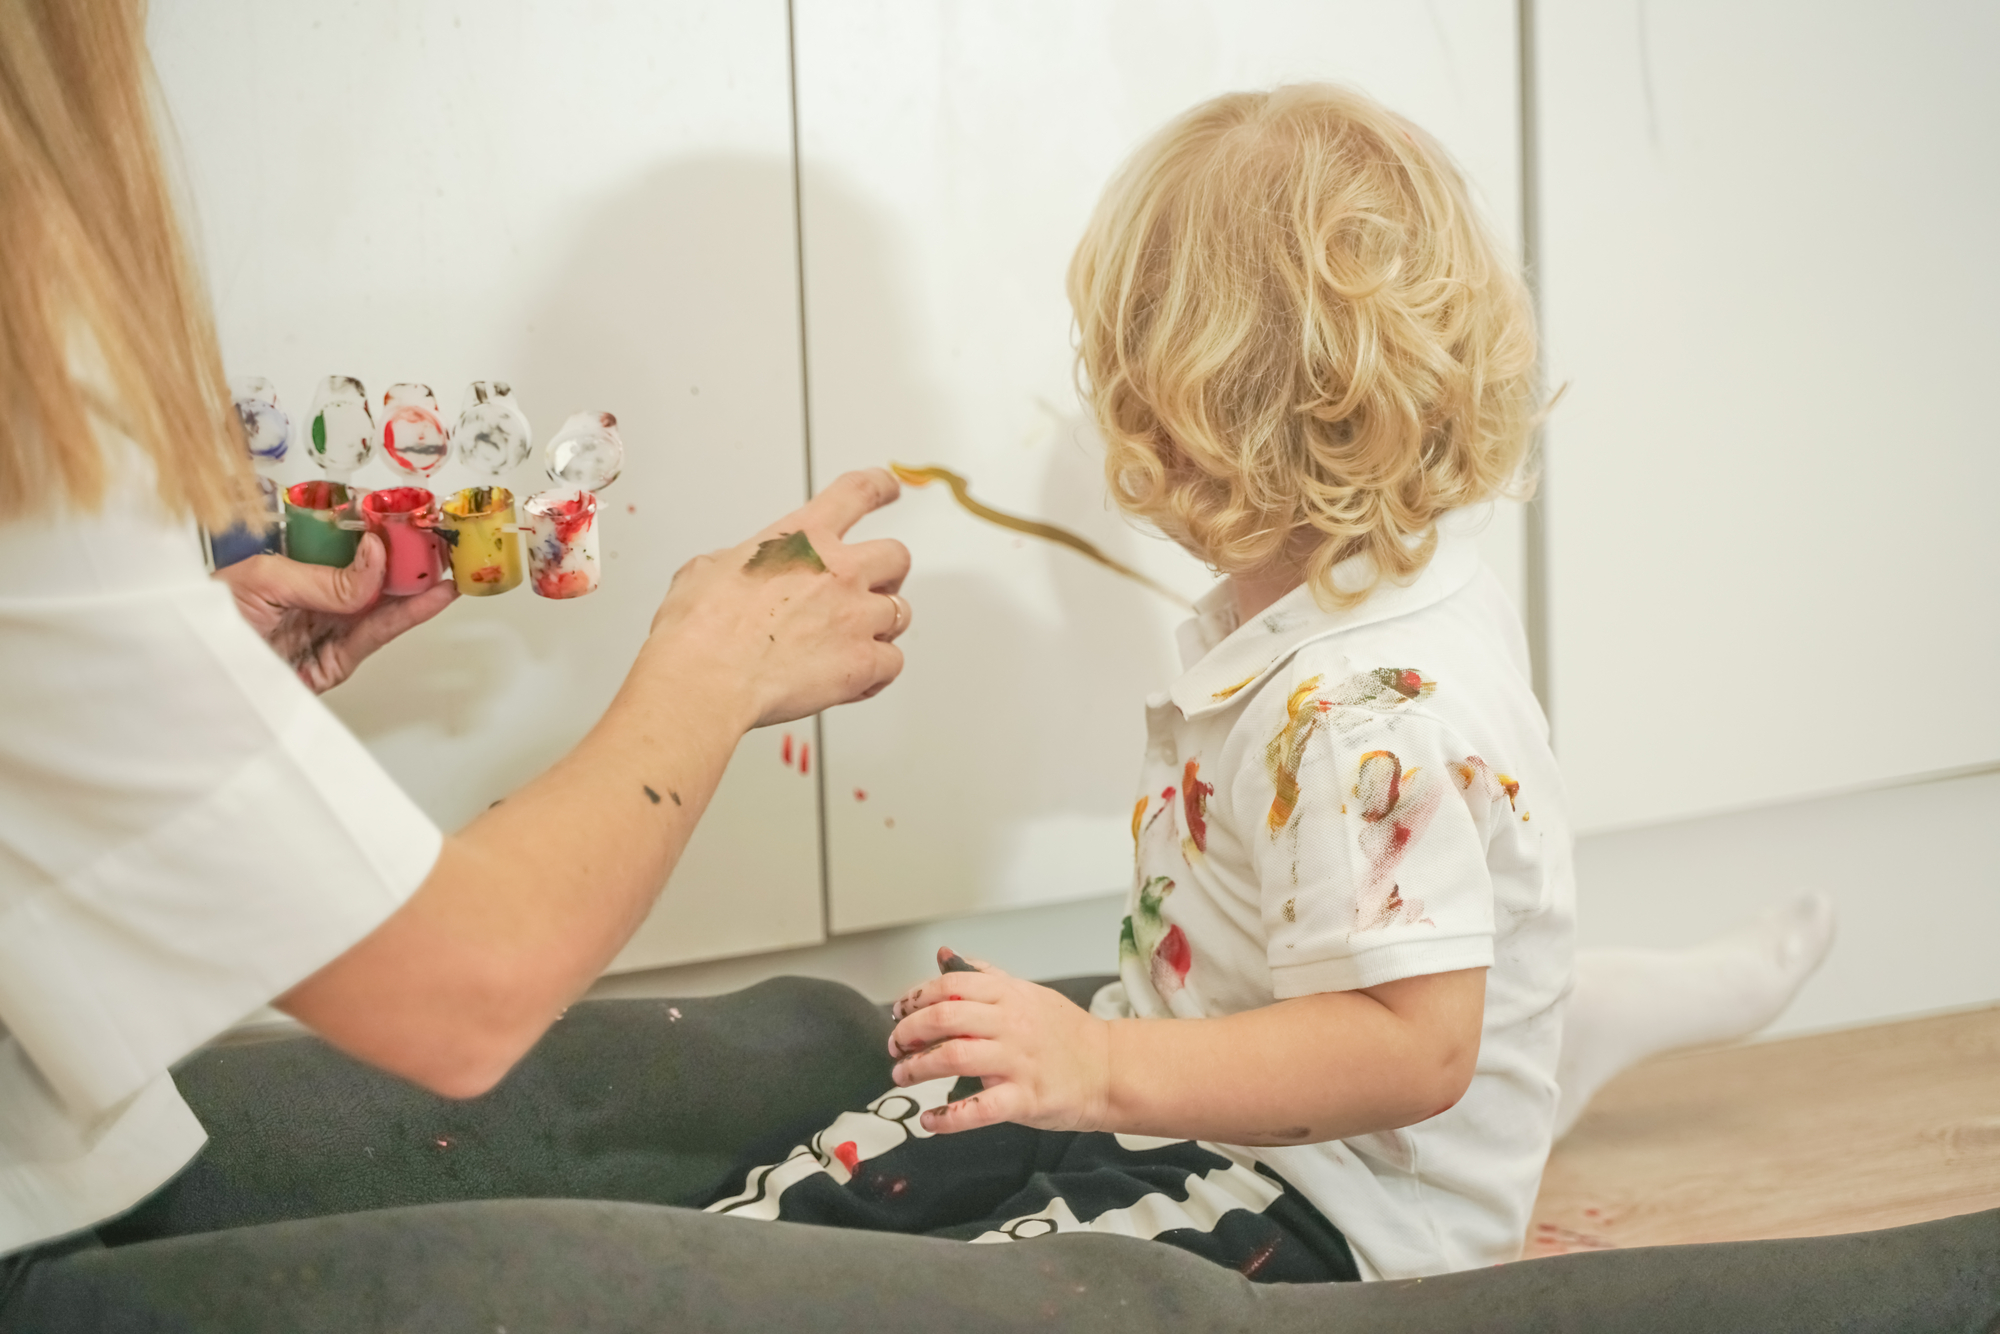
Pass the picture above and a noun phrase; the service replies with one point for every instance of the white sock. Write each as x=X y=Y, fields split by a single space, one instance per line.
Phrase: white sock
x=1630 y=1004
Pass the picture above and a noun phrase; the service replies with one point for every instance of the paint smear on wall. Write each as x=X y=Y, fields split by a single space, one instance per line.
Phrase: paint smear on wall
x=267 y=429
x=343 y=429
x=587 y=451
x=413 y=436
x=1048 y=532
x=492 y=434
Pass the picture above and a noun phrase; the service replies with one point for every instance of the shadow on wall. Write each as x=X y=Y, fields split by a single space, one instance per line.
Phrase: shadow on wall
x=665 y=283
x=1021 y=704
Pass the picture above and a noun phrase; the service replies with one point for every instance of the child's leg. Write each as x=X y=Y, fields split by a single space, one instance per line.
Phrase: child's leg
x=1631 y=1003
x=877 y=1169
x=1206 y=1199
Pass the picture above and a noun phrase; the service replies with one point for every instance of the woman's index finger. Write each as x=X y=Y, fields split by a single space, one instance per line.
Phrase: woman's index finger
x=848 y=499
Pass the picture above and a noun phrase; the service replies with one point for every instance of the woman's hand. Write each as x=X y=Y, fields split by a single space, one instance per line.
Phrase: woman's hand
x=324 y=621
x=795 y=620
x=1044 y=1062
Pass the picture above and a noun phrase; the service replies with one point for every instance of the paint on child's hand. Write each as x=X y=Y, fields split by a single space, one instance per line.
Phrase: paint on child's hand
x=1194 y=803
x=587 y=452
x=788 y=551
x=1048 y=532
x=949 y=962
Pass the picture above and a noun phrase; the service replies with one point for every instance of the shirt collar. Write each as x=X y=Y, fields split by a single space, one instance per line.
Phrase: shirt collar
x=1223 y=659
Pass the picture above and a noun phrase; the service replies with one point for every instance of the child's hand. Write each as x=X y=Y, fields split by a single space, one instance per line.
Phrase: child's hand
x=1045 y=1062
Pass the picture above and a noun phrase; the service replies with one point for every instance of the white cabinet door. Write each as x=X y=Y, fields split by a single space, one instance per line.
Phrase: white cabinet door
x=594 y=203
x=1769 y=277
x=950 y=154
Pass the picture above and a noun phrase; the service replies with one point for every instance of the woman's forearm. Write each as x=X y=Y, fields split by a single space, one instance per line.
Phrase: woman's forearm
x=1300 y=1071
x=529 y=902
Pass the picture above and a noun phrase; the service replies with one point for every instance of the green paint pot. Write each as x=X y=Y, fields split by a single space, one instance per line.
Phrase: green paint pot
x=316 y=519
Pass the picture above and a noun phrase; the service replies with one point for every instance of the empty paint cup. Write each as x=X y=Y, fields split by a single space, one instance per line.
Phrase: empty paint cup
x=321 y=524
x=405 y=518
x=479 y=526
x=562 y=541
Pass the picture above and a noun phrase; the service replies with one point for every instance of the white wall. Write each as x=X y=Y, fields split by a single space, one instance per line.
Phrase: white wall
x=1768 y=276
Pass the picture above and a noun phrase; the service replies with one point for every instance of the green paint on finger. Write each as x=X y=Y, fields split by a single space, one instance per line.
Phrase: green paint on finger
x=786 y=552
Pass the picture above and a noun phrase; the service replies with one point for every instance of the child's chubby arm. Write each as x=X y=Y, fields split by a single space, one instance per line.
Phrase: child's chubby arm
x=1320 y=1067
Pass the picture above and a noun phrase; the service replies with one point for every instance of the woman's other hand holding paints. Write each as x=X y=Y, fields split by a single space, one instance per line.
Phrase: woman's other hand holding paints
x=324 y=621
x=795 y=620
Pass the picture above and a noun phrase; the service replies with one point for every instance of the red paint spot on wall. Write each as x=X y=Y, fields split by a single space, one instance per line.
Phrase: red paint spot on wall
x=785 y=749
x=805 y=757
x=860 y=794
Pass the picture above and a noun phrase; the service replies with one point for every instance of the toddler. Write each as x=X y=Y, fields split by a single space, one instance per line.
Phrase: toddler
x=1352 y=892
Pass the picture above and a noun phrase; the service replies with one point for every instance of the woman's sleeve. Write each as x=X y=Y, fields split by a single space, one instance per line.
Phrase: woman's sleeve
x=185 y=832
x=1373 y=865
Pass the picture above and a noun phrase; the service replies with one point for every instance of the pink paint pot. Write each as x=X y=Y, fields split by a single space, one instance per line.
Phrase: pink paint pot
x=405 y=518
x=562 y=542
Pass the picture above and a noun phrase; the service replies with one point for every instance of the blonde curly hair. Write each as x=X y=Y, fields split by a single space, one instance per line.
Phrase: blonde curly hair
x=1298 y=338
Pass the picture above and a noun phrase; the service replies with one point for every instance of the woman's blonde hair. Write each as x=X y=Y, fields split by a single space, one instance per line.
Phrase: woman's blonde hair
x=1298 y=338
x=95 y=282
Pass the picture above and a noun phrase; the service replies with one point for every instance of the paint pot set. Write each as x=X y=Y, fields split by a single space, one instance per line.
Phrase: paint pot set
x=475 y=534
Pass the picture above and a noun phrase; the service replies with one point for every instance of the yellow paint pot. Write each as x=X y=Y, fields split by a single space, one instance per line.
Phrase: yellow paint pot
x=480 y=526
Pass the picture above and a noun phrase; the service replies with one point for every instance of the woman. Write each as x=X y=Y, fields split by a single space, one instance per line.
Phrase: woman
x=159 y=764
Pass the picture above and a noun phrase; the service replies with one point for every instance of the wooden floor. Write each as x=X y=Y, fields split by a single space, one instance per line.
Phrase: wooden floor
x=1838 y=1132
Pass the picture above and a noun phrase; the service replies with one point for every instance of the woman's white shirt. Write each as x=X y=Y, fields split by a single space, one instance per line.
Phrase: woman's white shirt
x=185 y=833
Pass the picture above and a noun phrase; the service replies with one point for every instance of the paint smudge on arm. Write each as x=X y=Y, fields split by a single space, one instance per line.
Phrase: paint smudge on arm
x=651 y=795
x=1048 y=532
x=788 y=551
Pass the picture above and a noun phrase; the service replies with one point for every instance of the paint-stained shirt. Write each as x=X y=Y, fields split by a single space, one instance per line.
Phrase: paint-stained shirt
x=185 y=833
x=1333 y=800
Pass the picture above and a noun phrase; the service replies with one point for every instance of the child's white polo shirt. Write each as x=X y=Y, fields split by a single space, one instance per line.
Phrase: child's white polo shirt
x=1337 y=799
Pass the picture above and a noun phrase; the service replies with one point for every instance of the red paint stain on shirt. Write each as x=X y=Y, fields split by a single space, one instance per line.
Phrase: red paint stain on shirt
x=1194 y=801
x=1172 y=958
x=848 y=1154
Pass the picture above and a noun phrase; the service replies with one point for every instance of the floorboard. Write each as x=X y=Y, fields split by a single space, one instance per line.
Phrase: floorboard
x=1834 y=1132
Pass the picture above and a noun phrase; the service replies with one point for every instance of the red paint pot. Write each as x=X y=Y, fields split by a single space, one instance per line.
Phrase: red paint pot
x=404 y=517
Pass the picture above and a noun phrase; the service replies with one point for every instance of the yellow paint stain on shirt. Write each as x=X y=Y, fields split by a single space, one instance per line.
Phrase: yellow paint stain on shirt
x=1227 y=691
x=1285 y=751
x=1138 y=813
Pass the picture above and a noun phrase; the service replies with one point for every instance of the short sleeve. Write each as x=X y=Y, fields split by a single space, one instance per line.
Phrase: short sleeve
x=1372 y=865
x=185 y=831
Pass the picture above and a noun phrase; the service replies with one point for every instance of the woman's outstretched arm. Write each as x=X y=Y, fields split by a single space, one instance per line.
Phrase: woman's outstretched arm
x=528 y=903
